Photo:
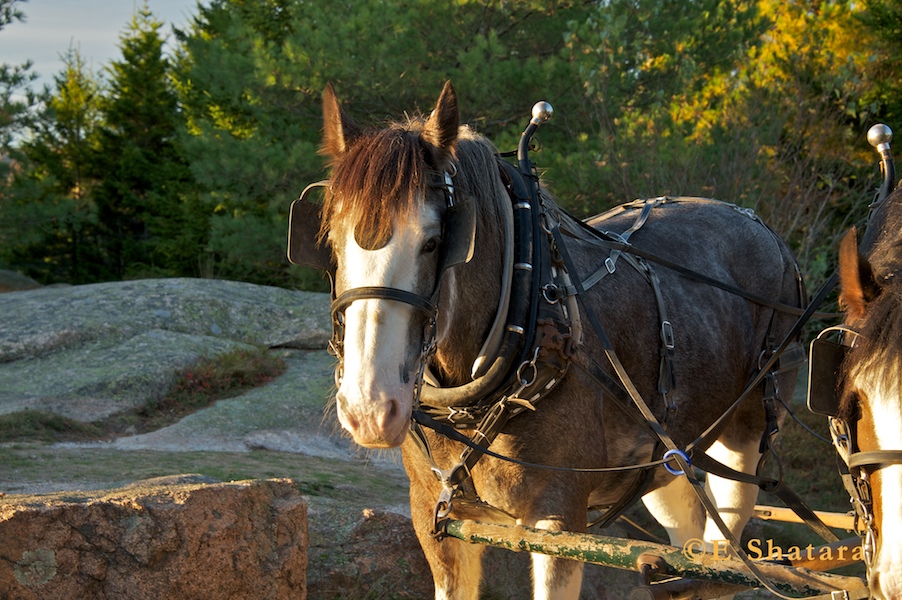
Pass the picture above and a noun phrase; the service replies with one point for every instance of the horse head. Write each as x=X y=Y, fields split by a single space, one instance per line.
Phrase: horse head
x=871 y=389
x=395 y=223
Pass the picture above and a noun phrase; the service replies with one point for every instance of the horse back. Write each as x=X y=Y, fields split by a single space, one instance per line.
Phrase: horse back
x=719 y=335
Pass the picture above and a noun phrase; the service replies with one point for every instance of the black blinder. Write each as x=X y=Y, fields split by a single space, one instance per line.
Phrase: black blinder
x=303 y=229
x=824 y=360
x=459 y=235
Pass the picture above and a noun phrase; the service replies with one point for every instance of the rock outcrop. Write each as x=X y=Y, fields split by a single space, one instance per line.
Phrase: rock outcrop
x=11 y=281
x=160 y=540
x=87 y=352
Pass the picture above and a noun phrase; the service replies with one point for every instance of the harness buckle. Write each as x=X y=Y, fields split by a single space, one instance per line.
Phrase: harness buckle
x=441 y=513
x=610 y=264
x=667 y=335
x=552 y=293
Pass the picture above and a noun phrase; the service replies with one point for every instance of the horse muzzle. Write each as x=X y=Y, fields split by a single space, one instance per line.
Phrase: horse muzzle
x=379 y=419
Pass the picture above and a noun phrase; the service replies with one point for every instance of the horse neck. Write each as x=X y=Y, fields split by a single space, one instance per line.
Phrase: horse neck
x=470 y=294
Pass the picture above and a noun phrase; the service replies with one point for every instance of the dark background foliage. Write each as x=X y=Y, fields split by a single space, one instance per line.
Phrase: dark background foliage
x=183 y=162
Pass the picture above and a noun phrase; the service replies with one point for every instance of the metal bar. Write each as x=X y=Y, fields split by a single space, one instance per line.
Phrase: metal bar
x=831 y=519
x=621 y=553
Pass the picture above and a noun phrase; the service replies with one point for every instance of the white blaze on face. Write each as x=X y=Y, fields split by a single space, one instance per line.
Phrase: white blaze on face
x=376 y=393
x=884 y=402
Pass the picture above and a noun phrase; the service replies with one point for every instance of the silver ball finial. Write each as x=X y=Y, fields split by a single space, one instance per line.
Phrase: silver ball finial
x=541 y=112
x=880 y=135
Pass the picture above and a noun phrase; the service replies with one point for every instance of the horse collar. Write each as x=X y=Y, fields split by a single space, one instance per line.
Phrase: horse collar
x=538 y=333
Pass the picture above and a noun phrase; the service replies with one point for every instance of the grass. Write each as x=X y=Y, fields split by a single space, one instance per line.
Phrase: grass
x=208 y=380
x=43 y=426
x=195 y=387
x=100 y=467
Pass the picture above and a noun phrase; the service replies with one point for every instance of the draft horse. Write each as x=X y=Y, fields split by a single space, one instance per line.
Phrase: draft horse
x=461 y=295
x=867 y=428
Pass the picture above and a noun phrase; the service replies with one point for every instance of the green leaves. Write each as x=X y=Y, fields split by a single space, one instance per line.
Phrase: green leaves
x=186 y=165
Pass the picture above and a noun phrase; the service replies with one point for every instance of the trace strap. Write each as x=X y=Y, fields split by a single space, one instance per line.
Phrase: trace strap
x=660 y=432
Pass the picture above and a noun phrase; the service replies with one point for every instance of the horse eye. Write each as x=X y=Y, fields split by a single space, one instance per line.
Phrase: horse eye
x=430 y=246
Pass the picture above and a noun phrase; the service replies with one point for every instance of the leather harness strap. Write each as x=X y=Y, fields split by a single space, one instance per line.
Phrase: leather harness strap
x=605 y=240
x=610 y=263
x=664 y=438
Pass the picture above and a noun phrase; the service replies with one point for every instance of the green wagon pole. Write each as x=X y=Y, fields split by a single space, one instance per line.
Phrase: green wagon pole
x=621 y=553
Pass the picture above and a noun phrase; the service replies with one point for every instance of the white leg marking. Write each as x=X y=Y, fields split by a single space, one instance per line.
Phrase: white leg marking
x=735 y=501
x=677 y=508
x=555 y=578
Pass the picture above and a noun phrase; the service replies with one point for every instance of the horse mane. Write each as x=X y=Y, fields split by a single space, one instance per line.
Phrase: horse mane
x=385 y=174
x=877 y=352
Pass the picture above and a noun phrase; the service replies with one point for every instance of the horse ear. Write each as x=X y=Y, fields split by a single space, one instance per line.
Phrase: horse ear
x=441 y=127
x=339 y=130
x=856 y=278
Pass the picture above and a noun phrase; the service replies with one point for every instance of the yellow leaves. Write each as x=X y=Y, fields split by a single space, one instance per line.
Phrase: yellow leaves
x=239 y=127
x=808 y=54
x=817 y=37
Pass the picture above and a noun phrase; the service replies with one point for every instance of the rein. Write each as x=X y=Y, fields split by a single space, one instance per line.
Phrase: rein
x=456 y=481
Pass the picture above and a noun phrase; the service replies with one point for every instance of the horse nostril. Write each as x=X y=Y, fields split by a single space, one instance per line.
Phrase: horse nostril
x=391 y=414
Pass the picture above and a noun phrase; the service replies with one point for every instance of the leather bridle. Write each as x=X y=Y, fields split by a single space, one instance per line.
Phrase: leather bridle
x=857 y=466
x=453 y=233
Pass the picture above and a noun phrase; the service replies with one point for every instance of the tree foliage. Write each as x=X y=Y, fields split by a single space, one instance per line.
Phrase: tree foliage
x=187 y=166
x=47 y=217
x=137 y=165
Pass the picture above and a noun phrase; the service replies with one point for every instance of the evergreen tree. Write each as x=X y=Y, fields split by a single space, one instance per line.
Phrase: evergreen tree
x=15 y=99
x=137 y=165
x=47 y=219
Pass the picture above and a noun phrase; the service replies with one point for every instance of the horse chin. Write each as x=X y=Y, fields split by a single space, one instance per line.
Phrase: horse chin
x=382 y=443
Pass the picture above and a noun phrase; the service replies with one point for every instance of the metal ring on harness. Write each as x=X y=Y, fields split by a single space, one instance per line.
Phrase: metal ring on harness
x=672 y=453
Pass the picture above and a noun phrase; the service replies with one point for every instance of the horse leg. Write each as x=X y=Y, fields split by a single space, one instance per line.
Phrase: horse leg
x=735 y=501
x=457 y=570
x=677 y=508
x=555 y=578
x=456 y=565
